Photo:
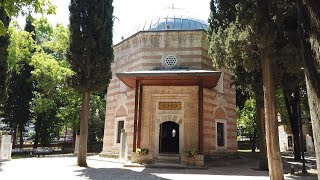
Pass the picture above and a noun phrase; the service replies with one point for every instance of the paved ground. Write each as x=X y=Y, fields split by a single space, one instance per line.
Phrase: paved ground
x=63 y=167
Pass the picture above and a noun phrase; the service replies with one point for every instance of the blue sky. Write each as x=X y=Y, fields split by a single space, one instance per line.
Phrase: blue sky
x=129 y=13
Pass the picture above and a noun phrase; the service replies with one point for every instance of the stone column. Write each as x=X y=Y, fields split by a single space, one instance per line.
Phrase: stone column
x=123 y=145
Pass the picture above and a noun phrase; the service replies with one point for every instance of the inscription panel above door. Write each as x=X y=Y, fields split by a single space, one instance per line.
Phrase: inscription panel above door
x=170 y=105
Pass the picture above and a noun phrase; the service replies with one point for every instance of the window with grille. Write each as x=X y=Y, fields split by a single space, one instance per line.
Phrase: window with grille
x=220 y=134
x=170 y=61
x=120 y=126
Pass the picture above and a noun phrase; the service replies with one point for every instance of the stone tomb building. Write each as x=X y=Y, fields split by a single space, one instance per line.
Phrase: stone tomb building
x=166 y=94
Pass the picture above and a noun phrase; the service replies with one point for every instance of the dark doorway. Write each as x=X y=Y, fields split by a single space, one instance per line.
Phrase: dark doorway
x=169 y=137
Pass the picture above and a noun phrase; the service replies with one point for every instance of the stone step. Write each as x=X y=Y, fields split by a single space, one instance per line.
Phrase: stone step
x=172 y=158
x=166 y=165
x=168 y=161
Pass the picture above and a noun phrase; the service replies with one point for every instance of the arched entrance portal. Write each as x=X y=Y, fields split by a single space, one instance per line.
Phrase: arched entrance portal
x=169 y=137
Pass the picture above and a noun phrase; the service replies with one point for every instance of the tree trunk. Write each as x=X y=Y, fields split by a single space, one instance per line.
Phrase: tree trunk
x=292 y=109
x=309 y=23
x=14 y=135
x=74 y=135
x=65 y=133
x=271 y=122
x=82 y=154
x=37 y=135
x=253 y=141
x=312 y=71
x=314 y=104
x=44 y=136
x=263 y=164
x=21 y=136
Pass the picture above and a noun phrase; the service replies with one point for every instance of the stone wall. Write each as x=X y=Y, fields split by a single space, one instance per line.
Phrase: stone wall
x=220 y=106
x=147 y=51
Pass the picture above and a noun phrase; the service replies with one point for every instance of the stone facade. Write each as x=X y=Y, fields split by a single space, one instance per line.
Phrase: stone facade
x=286 y=140
x=147 y=50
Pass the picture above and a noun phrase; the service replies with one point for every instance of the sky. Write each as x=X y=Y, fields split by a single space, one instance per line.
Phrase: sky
x=130 y=13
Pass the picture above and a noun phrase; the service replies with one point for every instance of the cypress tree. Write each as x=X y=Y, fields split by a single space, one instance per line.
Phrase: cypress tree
x=90 y=55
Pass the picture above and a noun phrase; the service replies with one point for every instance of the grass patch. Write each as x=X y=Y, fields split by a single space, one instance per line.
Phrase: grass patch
x=18 y=157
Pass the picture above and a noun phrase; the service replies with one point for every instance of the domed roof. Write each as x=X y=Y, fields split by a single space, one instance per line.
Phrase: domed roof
x=171 y=22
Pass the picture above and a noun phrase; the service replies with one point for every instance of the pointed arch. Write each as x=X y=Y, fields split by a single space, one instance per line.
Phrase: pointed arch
x=220 y=113
x=121 y=111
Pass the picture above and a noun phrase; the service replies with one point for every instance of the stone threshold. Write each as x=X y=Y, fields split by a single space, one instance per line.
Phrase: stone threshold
x=163 y=165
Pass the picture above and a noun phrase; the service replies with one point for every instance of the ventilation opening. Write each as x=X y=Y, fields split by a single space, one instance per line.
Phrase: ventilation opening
x=171 y=61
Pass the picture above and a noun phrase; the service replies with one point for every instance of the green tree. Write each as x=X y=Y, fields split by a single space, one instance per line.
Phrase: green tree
x=246 y=121
x=90 y=55
x=7 y=10
x=17 y=107
x=53 y=99
x=249 y=41
x=245 y=52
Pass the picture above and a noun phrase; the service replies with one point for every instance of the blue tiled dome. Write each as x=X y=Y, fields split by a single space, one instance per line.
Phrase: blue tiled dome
x=171 y=23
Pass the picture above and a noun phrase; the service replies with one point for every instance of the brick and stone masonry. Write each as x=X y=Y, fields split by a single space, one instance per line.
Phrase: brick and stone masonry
x=146 y=50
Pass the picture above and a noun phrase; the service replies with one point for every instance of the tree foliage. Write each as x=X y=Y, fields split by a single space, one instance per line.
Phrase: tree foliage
x=14 y=7
x=8 y=9
x=55 y=105
x=258 y=35
x=246 y=118
x=90 y=53
x=231 y=46
x=17 y=106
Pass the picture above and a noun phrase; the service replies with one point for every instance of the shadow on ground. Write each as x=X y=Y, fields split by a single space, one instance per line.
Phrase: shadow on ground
x=115 y=174
x=156 y=174
x=244 y=167
x=1 y=164
x=172 y=173
x=288 y=160
x=252 y=159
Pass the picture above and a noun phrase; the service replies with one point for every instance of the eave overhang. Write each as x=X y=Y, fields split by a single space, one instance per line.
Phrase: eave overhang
x=171 y=78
